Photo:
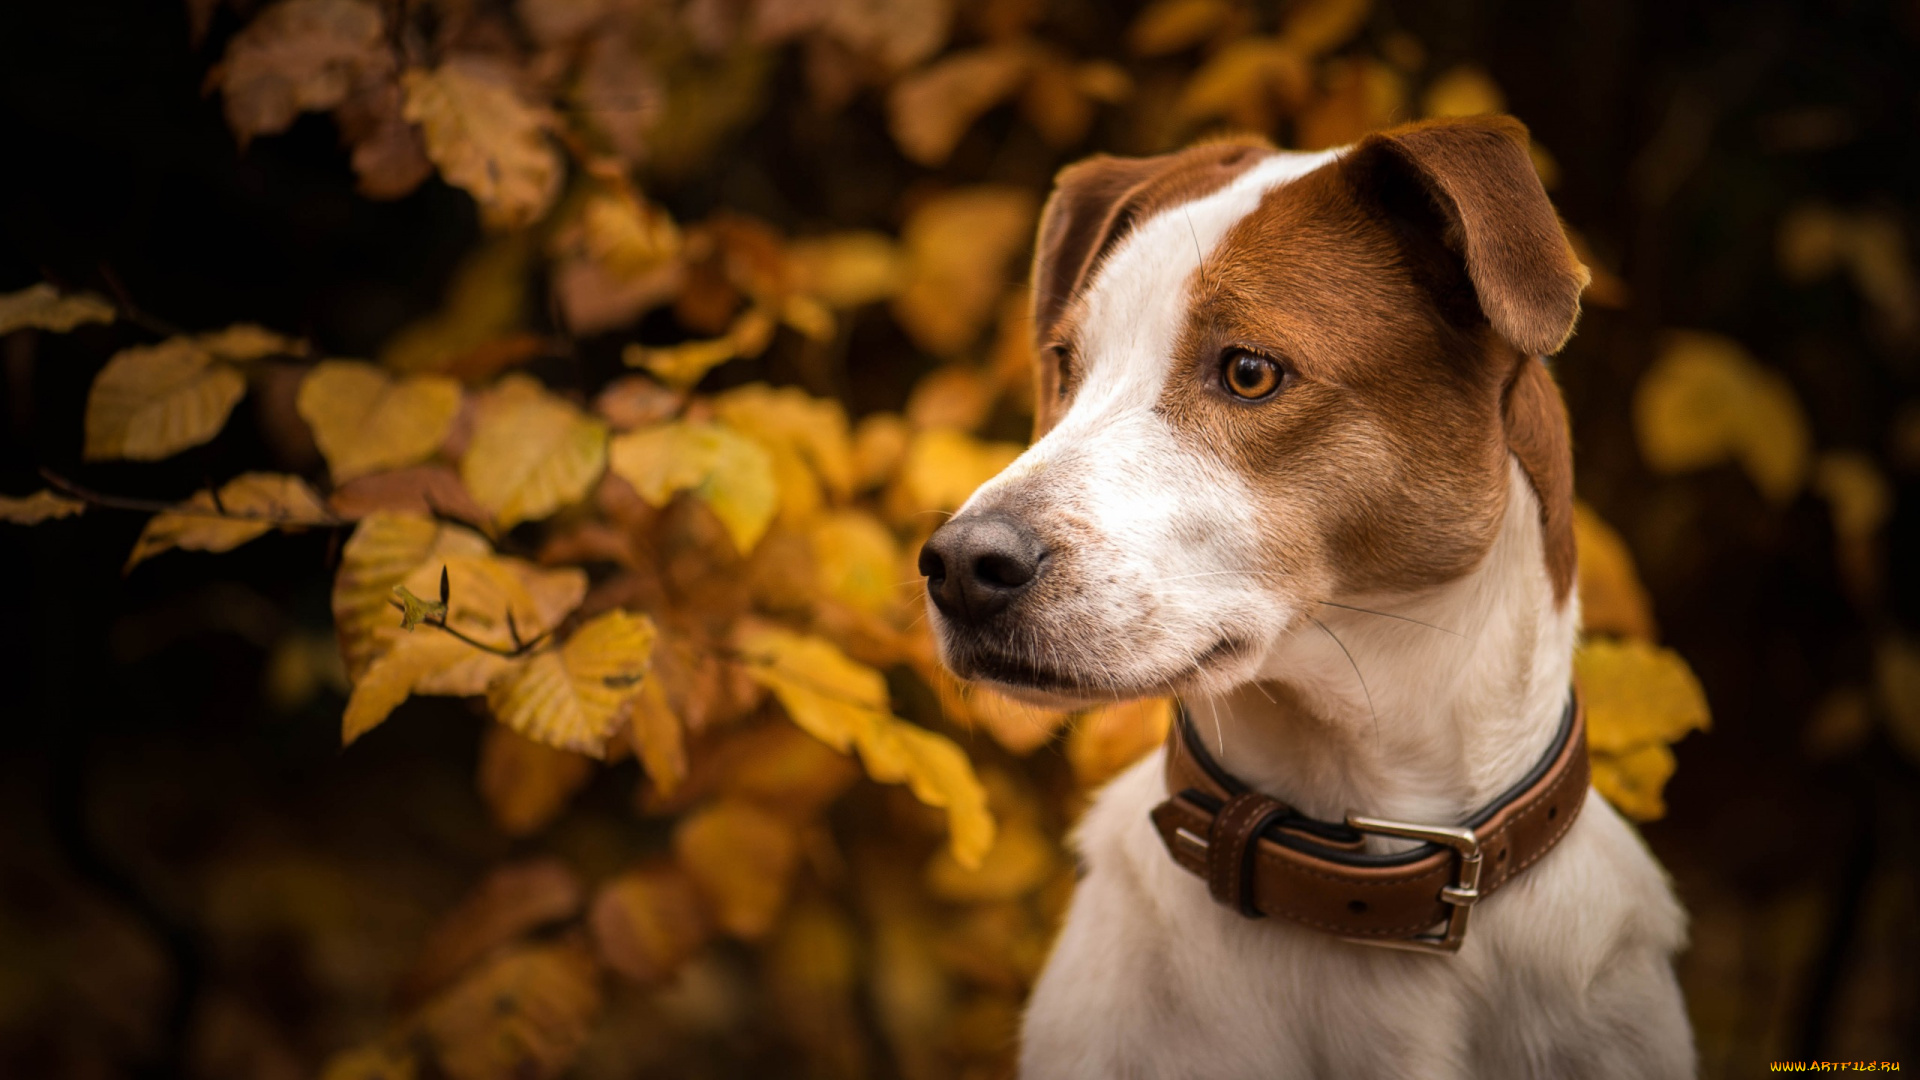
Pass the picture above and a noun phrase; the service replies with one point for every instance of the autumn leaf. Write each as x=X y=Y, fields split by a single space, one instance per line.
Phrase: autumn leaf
x=647 y=922
x=742 y=858
x=523 y=1016
x=943 y=467
x=855 y=559
x=485 y=139
x=929 y=111
x=806 y=437
x=1639 y=698
x=680 y=366
x=1249 y=82
x=845 y=705
x=300 y=55
x=414 y=610
x=1170 y=26
x=1612 y=600
x=1018 y=726
x=731 y=473
x=1706 y=401
x=364 y=421
x=1466 y=90
x=260 y=503
x=846 y=269
x=379 y=1061
x=526 y=784
x=386 y=550
x=531 y=452
x=40 y=506
x=498 y=602
x=42 y=307
x=959 y=247
x=657 y=736
x=955 y=396
x=1020 y=860
x=153 y=401
x=509 y=902
x=1104 y=741
x=575 y=696
x=485 y=303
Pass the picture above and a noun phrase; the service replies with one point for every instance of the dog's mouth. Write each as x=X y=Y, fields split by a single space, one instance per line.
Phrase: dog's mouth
x=1023 y=675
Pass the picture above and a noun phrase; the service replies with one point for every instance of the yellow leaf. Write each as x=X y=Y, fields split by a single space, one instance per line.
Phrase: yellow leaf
x=387 y=550
x=647 y=923
x=829 y=696
x=575 y=696
x=682 y=365
x=483 y=590
x=485 y=301
x=879 y=445
x=955 y=396
x=960 y=246
x=1248 y=82
x=1362 y=95
x=531 y=453
x=262 y=501
x=627 y=236
x=783 y=769
x=732 y=474
x=795 y=427
x=943 y=467
x=1633 y=781
x=1706 y=401
x=1020 y=727
x=154 y=401
x=1170 y=26
x=742 y=857
x=1612 y=600
x=523 y=1016
x=1020 y=860
x=1860 y=495
x=844 y=704
x=1316 y=26
x=1897 y=678
x=929 y=111
x=377 y=1062
x=1108 y=739
x=242 y=342
x=847 y=269
x=527 y=784
x=364 y=421
x=43 y=307
x=509 y=902
x=1466 y=90
x=658 y=737
x=40 y=506
x=485 y=139
x=300 y=55
x=1637 y=694
x=855 y=559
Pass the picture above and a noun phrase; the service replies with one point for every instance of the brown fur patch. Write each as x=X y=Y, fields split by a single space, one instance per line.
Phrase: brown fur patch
x=1536 y=426
x=1094 y=204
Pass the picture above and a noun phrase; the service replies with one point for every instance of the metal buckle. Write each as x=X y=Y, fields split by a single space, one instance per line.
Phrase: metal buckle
x=1461 y=894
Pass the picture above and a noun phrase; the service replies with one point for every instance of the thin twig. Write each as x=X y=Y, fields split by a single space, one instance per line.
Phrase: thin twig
x=515 y=653
x=160 y=506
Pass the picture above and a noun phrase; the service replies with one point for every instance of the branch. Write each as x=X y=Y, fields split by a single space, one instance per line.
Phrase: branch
x=160 y=506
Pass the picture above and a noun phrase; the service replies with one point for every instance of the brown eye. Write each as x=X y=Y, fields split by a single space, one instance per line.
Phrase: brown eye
x=1249 y=375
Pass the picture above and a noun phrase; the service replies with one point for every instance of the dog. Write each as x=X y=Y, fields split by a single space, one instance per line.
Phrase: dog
x=1300 y=462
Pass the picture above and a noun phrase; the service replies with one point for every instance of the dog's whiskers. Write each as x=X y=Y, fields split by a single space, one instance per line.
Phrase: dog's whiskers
x=1356 y=674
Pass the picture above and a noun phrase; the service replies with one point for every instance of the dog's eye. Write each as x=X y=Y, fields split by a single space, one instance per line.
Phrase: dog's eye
x=1250 y=376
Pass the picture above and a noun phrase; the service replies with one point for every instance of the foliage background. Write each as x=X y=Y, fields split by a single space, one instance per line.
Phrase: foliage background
x=197 y=880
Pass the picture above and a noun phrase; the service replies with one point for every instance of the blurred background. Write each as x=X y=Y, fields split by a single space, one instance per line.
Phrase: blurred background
x=838 y=196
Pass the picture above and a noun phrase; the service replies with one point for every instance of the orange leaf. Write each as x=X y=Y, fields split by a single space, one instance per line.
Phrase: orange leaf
x=509 y=902
x=648 y=922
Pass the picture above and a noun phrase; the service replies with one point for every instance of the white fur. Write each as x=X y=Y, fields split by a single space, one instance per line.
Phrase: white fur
x=1566 y=971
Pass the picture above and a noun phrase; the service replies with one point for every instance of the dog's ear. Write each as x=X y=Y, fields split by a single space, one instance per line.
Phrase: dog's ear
x=1094 y=204
x=1471 y=185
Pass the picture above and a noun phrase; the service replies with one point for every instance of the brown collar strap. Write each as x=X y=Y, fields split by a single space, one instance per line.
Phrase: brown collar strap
x=1262 y=857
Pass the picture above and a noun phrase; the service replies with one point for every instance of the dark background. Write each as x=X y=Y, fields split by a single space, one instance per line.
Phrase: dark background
x=142 y=760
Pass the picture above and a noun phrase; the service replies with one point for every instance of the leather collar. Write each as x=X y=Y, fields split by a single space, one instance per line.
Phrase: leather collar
x=1262 y=857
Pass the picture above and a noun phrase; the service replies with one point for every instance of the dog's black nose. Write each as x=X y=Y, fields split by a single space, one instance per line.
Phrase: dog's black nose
x=977 y=564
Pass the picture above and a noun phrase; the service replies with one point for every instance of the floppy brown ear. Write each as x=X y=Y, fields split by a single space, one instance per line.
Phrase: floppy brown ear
x=1094 y=204
x=1495 y=217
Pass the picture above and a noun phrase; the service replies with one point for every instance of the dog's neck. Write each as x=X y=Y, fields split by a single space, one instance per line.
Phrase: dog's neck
x=1424 y=714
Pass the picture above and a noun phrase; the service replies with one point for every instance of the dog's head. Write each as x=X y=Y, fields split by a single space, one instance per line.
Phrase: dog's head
x=1266 y=380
